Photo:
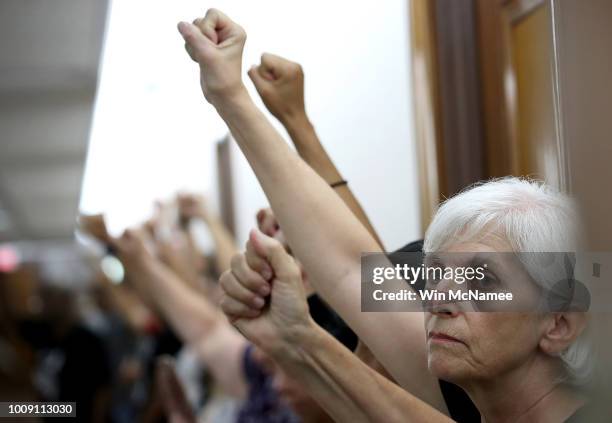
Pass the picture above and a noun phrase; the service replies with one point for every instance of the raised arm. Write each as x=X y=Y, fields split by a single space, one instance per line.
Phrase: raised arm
x=197 y=322
x=280 y=84
x=192 y=206
x=347 y=388
x=301 y=199
x=320 y=228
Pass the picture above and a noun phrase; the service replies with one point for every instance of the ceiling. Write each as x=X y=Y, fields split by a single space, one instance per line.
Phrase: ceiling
x=49 y=57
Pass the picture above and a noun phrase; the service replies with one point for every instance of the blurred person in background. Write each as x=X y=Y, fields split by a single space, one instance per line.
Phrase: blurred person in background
x=72 y=361
x=240 y=370
x=16 y=357
x=200 y=325
x=125 y=331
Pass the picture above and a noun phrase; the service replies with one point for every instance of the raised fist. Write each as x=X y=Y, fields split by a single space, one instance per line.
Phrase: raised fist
x=215 y=42
x=132 y=248
x=192 y=206
x=95 y=226
x=280 y=84
x=266 y=270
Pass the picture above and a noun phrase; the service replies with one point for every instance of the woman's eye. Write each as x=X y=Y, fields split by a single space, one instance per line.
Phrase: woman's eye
x=488 y=282
x=435 y=274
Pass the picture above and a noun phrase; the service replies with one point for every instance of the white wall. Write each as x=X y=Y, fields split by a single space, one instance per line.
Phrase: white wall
x=358 y=94
x=153 y=133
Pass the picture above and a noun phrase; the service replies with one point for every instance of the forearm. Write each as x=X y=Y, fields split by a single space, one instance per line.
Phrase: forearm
x=223 y=353
x=310 y=149
x=308 y=146
x=347 y=388
x=197 y=322
x=190 y=315
x=225 y=246
x=129 y=306
x=180 y=261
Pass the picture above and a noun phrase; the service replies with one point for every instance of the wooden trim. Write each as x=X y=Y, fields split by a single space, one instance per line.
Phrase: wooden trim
x=498 y=99
x=426 y=108
x=463 y=145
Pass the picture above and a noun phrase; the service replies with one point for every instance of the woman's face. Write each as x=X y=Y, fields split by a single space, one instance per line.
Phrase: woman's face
x=464 y=345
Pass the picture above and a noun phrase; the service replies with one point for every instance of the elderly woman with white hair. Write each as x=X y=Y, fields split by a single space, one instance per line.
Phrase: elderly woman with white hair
x=528 y=365
x=516 y=366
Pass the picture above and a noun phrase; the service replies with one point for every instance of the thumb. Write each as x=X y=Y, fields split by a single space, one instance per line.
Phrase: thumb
x=256 y=77
x=194 y=38
x=283 y=265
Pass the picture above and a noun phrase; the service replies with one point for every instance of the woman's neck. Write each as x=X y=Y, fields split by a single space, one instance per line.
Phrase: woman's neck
x=530 y=393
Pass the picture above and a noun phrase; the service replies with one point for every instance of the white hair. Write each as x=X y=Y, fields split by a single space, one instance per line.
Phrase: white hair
x=531 y=217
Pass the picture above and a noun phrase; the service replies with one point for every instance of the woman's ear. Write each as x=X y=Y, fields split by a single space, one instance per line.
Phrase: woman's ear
x=562 y=330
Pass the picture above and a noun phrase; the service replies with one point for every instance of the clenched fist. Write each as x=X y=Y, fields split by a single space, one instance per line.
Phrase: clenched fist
x=280 y=84
x=266 y=269
x=132 y=249
x=192 y=206
x=216 y=43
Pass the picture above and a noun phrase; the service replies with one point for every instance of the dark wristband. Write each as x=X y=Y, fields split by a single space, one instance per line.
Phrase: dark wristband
x=338 y=183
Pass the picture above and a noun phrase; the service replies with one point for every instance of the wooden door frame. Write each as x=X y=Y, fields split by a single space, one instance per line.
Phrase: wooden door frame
x=448 y=127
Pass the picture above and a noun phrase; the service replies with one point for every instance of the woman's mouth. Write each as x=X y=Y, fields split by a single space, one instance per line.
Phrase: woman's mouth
x=442 y=338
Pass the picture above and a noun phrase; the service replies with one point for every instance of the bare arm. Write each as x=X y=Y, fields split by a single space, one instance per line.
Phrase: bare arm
x=225 y=246
x=196 y=321
x=348 y=389
x=311 y=150
x=280 y=84
x=320 y=228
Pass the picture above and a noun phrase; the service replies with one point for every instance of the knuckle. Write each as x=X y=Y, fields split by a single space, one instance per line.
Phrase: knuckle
x=239 y=308
x=231 y=306
x=223 y=304
x=224 y=279
x=294 y=68
x=250 y=298
x=253 y=261
x=251 y=282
